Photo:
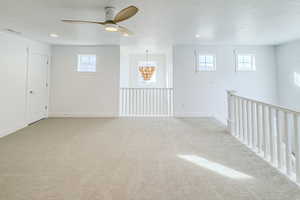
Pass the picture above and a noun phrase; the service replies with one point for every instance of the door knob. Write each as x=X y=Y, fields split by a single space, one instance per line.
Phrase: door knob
x=31 y=91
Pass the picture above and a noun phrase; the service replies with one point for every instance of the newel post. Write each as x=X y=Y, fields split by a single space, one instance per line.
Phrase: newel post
x=230 y=104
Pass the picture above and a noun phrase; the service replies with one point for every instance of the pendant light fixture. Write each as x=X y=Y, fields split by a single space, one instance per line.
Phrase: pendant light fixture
x=147 y=69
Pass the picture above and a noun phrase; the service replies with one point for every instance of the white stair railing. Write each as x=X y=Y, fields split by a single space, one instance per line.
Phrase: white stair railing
x=146 y=102
x=270 y=131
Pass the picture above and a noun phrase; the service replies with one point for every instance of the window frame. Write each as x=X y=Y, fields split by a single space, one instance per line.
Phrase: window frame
x=84 y=69
x=202 y=69
x=253 y=62
x=297 y=79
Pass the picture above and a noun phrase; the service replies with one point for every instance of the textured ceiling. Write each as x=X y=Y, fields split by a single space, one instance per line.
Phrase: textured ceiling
x=164 y=21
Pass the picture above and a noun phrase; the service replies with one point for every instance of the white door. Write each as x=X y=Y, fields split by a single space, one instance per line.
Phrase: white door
x=37 y=87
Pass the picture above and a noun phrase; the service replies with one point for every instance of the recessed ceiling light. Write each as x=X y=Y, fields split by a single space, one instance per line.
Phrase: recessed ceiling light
x=197 y=35
x=54 y=35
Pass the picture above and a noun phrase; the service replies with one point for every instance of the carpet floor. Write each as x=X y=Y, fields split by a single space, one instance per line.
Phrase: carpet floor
x=134 y=159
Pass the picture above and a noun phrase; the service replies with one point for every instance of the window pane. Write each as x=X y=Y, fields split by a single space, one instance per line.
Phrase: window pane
x=246 y=63
x=297 y=79
x=209 y=59
x=86 y=63
x=202 y=59
x=206 y=63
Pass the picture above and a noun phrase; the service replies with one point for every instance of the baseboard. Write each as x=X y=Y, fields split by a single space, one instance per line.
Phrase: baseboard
x=83 y=115
x=191 y=115
x=12 y=130
x=221 y=119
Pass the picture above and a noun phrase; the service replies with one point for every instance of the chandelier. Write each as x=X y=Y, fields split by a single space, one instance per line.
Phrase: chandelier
x=147 y=70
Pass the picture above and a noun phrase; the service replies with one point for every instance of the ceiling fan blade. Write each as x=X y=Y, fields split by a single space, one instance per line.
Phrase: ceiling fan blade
x=126 y=13
x=82 y=22
x=125 y=31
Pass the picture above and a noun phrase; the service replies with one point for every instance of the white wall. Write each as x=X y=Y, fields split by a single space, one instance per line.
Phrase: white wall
x=85 y=94
x=13 y=80
x=129 y=56
x=288 y=63
x=204 y=93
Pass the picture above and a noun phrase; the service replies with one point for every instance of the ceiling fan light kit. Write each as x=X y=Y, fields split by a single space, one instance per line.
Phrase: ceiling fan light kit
x=111 y=20
x=111 y=27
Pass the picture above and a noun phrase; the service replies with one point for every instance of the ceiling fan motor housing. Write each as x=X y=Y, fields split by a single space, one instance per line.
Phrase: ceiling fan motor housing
x=109 y=13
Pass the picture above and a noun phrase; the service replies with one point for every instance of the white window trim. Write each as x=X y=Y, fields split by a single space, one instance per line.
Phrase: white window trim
x=253 y=66
x=197 y=67
x=297 y=79
x=78 y=63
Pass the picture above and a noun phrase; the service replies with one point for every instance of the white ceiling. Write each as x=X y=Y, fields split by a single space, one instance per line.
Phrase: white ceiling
x=159 y=21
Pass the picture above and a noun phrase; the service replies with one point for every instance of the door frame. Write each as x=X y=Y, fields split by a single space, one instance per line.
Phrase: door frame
x=29 y=53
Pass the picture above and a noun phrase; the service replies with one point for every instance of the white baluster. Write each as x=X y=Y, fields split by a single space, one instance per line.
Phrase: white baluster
x=248 y=103
x=271 y=135
x=149 y=102
x=253 y=143
x=168 y=102
x=236 y=121
x=156 y=102
x=139 y=98
x=129 y=101
x=145 y=105
x=259 y=129
x=264 y=131
x=126 y=101
x=243 y=121
x=146 y=111
x=164 y=101
x=159 y=102
x=278 y=138
x=171 y=102
x=123 y=101
x=240 y=120
x=142 y=102
x=297 y=149
x=138 y=101
x=152 y=102
x=288 y=146
x=229 y=111
x=134 y=101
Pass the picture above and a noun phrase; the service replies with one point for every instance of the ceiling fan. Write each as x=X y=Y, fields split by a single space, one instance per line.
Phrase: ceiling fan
x=111 y=20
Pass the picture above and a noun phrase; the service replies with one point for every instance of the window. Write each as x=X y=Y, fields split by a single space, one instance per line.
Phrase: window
x=206 y=63
x=245 y=63
x=86 y=63
x=297 y=79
